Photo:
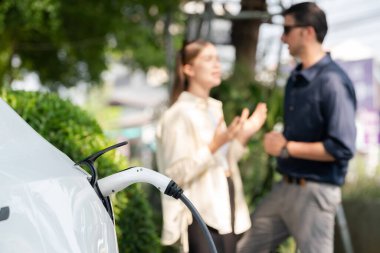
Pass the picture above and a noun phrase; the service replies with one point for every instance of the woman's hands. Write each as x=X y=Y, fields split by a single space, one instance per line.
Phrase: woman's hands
x=223 y=135
x=253 y=123
x=241 y=127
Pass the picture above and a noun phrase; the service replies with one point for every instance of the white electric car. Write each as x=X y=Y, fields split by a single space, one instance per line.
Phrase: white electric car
x=49 y=204
x=46 y=202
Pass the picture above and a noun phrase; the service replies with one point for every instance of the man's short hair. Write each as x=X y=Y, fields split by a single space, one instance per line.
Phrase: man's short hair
x=309 y=14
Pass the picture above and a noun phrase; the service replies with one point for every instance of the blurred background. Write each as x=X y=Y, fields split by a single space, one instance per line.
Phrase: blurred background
x=114 y=59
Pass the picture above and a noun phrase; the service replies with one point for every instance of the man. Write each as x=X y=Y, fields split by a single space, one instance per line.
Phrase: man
x=316 y=145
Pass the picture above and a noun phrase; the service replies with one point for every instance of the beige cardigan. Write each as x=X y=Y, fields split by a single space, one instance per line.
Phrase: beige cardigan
x=183 y=135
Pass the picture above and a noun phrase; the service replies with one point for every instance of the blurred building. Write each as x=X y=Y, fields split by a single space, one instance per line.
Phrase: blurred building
x=365 y=75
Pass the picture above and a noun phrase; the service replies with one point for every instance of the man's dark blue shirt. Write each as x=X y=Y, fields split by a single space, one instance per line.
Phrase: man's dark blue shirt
x=320 y=106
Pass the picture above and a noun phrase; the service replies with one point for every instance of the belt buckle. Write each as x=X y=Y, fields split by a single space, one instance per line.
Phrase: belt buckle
x=301 y=181
x=291 y=180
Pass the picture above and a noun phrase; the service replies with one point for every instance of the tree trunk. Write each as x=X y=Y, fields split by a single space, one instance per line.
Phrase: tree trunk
x=244 y=36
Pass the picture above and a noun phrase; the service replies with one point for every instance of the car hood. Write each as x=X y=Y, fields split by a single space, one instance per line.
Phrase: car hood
x=25 y=156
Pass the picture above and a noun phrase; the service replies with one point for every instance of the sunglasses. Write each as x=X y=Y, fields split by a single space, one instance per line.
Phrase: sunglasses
x=289 y=28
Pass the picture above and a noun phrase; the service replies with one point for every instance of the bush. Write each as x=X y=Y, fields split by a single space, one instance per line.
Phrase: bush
x=78 y=135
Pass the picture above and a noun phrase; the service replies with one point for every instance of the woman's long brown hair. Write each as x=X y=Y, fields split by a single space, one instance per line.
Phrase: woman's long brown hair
x=185 y=56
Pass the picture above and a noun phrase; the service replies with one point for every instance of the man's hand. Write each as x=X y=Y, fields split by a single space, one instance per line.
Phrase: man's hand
x=274 y=142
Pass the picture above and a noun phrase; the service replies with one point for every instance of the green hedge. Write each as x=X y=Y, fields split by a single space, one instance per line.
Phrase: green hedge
x=78 y=135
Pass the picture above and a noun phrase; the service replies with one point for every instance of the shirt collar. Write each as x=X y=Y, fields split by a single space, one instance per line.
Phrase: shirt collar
x=188 y=97
x=310 y=73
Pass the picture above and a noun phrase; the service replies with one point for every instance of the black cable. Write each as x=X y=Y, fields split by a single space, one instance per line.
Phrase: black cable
x=176 y=192
x=201 y=223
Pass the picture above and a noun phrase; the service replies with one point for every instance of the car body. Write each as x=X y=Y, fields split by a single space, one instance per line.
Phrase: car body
x=46 y=201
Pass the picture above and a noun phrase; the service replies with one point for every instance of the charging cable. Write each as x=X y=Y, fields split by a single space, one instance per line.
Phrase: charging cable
x=121 y=180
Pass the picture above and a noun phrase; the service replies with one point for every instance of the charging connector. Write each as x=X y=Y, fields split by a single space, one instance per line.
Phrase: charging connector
x=121 y=180
x=125 y=178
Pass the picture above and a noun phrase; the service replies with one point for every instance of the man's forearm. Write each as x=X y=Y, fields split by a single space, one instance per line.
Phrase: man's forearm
x=309 y=151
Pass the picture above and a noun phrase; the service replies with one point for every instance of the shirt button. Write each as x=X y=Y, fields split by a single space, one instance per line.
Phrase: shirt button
x=291 y=108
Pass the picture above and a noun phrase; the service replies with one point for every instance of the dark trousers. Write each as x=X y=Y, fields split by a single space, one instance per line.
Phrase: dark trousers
x=224 y=243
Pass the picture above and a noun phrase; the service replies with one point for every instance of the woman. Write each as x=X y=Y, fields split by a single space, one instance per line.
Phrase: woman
x=200 y=153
